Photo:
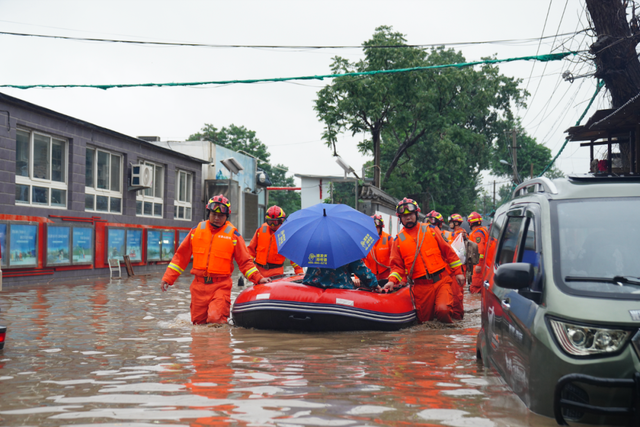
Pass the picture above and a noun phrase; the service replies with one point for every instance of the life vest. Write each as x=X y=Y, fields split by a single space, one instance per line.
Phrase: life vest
x=479 y=236
x=267 y=249
x=215 y=247
x=381 y=252
x=430 y=258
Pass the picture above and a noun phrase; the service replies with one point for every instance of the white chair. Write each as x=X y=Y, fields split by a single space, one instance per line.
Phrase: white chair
x=114 y=265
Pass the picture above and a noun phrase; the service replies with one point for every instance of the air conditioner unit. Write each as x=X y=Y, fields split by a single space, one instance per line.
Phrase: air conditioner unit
x=142 y=176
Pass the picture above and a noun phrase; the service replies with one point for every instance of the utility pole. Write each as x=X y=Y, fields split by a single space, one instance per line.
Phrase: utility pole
x=531 y=173
x=514 y=149
x=494 y=194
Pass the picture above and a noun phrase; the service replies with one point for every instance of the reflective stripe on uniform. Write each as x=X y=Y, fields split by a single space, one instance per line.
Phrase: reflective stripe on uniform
x=455 y=264
x=176 y=268
x=228 y=229
x=250 y=272
x=396 y=275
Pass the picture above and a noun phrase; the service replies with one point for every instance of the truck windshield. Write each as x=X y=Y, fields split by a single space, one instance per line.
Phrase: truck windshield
x=598 y=238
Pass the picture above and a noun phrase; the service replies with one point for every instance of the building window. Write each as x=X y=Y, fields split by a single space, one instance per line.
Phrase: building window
x=41 y=170
x=103 y=181
x=149 y=201
x=182 y=202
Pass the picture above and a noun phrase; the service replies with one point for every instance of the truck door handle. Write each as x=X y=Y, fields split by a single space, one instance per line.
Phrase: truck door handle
x=506 y=303
x=486 y=284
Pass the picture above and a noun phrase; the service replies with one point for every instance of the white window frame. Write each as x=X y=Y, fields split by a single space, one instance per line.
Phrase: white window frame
x=102 y=192
x=186 y=213
x=150 y=195
x=47 y=183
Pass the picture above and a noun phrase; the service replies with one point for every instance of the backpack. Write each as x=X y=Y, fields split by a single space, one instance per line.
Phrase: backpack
x=473 y=255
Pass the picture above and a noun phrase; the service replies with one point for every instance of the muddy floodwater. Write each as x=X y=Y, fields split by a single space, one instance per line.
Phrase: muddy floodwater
x=122 y=353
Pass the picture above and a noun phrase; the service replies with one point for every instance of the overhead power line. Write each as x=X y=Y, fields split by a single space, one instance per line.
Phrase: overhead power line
x=158 y=43
x=542 y=58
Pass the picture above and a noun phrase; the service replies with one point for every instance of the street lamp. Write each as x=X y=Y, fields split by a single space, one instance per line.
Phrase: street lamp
x=516 y=178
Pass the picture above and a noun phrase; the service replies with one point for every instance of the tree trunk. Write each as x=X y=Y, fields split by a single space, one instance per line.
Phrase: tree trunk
x=375 y=135
x=616 y=59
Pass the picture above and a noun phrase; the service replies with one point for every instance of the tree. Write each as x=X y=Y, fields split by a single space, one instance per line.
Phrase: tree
x=240 y=139
x=528 y=153
x=429 y=130
x=614 y=51
x=364 y=104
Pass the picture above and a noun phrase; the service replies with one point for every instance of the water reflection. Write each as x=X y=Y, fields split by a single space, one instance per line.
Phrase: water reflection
x=122 y=353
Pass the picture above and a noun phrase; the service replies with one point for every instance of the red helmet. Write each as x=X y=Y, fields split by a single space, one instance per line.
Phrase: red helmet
x=435 y=215
x=406 y=206
x=456 y=218
x=275 y=212
x=378 y=221
x=219 y=204
x=474 y=217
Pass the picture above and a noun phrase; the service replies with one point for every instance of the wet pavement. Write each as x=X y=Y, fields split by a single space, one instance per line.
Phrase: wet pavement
x=122 y=353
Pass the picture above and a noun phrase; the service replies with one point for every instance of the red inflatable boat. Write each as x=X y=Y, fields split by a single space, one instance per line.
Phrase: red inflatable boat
x=287 y=304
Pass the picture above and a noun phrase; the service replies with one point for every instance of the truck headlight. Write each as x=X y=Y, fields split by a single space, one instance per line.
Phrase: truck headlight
x=581 y=340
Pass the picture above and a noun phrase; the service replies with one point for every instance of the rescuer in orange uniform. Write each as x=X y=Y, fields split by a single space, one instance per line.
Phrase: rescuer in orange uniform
x=435 y=222
x=378 y=258
x=263 y=248
x=455 y=224
x=479 y=235
x=425 y=256
x=457 y=292
x=214 y=245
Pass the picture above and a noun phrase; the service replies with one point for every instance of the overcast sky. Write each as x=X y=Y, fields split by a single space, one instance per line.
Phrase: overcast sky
x=281 y=114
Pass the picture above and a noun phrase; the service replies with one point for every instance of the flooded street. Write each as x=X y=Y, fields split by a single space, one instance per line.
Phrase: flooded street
x=123 y=353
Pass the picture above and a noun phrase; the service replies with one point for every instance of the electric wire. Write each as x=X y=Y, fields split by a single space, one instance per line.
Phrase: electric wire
x=538 y=49
x=248 y=46
x=544 y=70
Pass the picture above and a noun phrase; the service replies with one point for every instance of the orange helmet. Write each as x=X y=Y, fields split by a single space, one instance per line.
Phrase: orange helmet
x=275 y=213
x=456 y=218
x=219 y=204
x=474 y=217
x=378 y=221
x=406 y=206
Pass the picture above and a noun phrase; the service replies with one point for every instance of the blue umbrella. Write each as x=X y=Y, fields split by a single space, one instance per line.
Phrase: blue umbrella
x=326 y=236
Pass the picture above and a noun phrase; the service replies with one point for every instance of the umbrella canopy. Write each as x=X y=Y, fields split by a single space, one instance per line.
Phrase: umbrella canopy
x=326 y=236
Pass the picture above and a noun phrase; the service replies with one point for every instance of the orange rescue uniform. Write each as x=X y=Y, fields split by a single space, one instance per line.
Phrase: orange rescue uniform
x=378 y=257
x=455 y=233
x=457 y=294
x=264 y=250
x=432 y=281
x=213 y=250
x=478 y=235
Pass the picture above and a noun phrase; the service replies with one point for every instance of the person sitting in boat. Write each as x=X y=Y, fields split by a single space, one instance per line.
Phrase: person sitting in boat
x=340 y=278
x=263 y=248
x=378 y=257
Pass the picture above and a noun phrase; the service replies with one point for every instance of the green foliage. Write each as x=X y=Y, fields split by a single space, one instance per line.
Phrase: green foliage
x=287 y=200
x=343 y=193
x=240 y=139
x=436 y=127
x=528 y=152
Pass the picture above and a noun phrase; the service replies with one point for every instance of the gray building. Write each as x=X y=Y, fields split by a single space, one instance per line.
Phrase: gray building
x=73 y=195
